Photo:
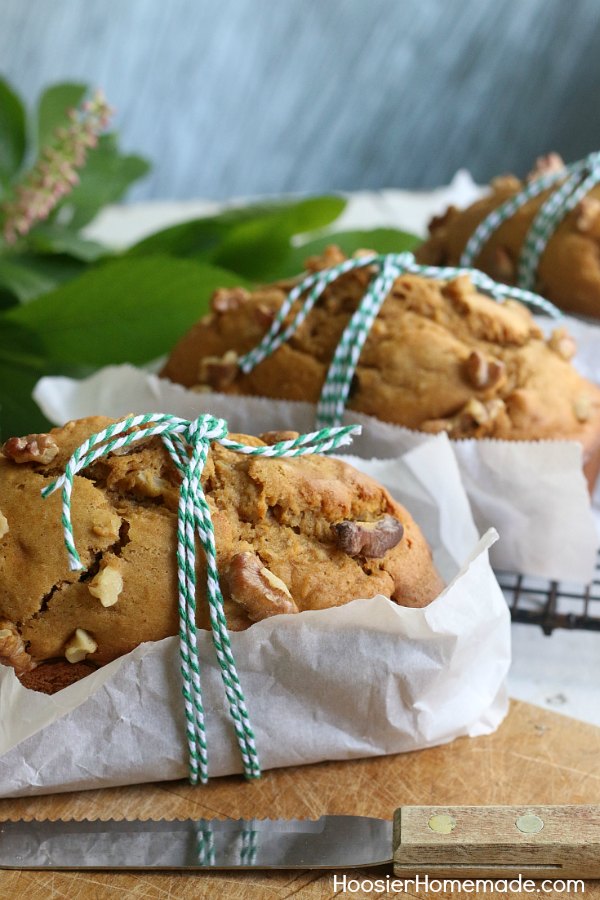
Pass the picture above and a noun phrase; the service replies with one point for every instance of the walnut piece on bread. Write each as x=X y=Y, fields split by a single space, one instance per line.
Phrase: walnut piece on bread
x=372 y=539
x=79 y=645
x=37 y=448
x=107 y=584
x=12 y=649
x=257 y=589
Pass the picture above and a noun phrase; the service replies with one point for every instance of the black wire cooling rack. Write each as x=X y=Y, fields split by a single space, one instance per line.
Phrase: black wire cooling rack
x=552 y=604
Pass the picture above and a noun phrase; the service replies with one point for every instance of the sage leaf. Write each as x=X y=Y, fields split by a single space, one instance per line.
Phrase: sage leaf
x=249 y=240
x=13 y=133
x=53 y=109
x=380 y=240
x=254 y=248
x=127 y=310
x=104 y=179
x=21 y=365
x=49 y=238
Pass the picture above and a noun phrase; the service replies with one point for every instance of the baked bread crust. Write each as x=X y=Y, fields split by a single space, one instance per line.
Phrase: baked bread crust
x=440 y=357
x=569 y=269
x=277 y=548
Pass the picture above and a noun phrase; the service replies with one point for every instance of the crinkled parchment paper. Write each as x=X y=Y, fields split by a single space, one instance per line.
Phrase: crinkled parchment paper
x=364 y=679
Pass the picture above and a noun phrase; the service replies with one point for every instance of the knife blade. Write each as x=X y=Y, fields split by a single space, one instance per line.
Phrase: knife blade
x=460 y=841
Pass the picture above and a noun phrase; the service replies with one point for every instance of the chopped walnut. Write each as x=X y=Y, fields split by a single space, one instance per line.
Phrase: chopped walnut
x=372 y=539
x=331 y=256
x=219 y=371
x=3 y=525
x=474 y=412
x=546 y=165
x=459 y=291
x=37 y=448
x=502 y=268
x=438 y=222
x=228 y=299
x=484 y=372
x=12 y=649
x=263 y=315
x=105 y=524
x=507 y=182
x=582 y=408
x=107 y=585
x=80 y=645
x=149 y=483
x=379 y=328
x=587 y=212
x=562 y=343
x=275 y=437
x=481 y=413
x=257 y=589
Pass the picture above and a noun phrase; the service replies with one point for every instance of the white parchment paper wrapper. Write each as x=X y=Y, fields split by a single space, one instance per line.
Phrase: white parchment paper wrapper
x=533 y=492
x=364 y=679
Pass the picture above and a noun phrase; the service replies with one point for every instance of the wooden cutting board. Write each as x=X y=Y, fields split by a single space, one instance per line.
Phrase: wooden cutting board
x=536 y=757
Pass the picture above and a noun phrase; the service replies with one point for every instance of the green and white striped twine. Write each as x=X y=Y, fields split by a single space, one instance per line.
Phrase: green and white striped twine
x=188 y=444
x=577 y=180
x=389 y=266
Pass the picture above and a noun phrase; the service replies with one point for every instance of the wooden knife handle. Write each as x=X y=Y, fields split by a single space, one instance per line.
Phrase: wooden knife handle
x=497 y=841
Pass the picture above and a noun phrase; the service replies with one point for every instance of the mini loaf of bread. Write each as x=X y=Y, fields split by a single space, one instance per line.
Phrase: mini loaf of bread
x=569 y=268
x=291 y=535
x=440 y=357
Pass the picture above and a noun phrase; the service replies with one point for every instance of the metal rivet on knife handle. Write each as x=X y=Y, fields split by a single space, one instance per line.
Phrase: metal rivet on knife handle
x=529 y=824
x=500 y=841
x=442 y=824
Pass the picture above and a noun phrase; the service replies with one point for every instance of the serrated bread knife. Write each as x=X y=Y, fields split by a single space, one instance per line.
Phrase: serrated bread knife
x=459 y=841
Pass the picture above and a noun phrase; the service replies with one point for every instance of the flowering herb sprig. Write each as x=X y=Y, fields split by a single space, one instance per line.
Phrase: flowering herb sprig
x=56 y=172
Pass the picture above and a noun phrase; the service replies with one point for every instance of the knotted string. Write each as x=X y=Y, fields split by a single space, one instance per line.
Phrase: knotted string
x=188 y=444
x=389 y=266
x=577 y=179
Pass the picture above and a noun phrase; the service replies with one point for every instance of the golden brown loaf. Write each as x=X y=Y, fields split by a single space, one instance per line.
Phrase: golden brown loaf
x=291 y=535
x=440 y=357
x=569 y=269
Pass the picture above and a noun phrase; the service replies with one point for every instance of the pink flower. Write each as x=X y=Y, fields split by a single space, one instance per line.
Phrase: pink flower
x=55 y=173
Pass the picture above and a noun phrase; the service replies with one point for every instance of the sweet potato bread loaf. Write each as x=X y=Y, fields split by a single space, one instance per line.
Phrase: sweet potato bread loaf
x=569 y=268
x=291 y=535
x=440 y=357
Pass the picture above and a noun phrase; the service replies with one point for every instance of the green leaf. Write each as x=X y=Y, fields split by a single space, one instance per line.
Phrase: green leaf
x=192 y=238
x=104 y=179
x=381 y=240
x=22 y=281
x=53 y=108
x=20 y=367
x=262 y=228
x=26 y=276
x=255 y=248
x=55 y=239
x=13 y=133
x=127 y=310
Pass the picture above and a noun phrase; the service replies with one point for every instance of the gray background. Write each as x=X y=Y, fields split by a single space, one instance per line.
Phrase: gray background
x=241 y=97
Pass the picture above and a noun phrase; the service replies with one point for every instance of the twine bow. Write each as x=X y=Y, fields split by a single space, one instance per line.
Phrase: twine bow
x=577 y=179
x=188 y=444
x=390 y=266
